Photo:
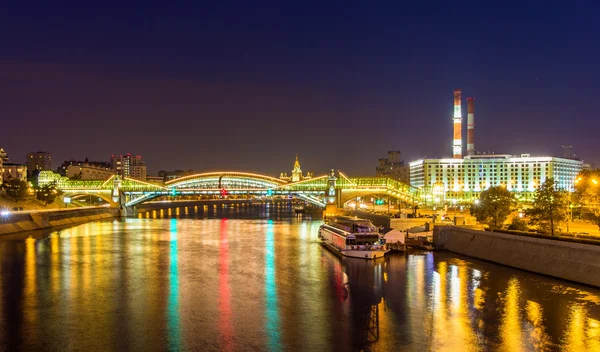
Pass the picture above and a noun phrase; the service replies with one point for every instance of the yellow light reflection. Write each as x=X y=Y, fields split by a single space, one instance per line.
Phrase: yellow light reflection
x=538 y=336
x=30 y=284
x=581 y=333
x=511 y=333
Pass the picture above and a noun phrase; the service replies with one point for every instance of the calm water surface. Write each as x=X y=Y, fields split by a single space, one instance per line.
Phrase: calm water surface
x=267 y=285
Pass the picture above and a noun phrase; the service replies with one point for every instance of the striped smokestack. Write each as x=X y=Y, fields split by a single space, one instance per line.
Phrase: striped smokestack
x=457 y=143
x=470 y=126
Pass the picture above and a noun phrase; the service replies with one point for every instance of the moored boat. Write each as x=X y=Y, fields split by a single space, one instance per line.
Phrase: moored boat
x=352 y=237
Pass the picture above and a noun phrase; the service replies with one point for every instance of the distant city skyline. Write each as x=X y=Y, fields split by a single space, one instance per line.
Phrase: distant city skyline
x=206 y=88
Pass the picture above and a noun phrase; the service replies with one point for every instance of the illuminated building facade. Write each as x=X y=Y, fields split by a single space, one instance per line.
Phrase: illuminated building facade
x=62 y=169
x=88 y=172
x=461 y=180
x=129 y=166
x=3 y=159
x=39 y=161
x=296 y=173
x=12 y=171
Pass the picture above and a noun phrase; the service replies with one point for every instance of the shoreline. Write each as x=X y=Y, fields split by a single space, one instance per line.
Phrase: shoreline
x=574 y=261
x=15 y=222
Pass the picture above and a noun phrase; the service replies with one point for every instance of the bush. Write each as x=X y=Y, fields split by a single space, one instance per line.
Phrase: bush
x=518 y=224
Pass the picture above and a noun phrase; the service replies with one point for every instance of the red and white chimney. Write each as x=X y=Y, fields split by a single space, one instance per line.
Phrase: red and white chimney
x=457 y=143
x=470 y=126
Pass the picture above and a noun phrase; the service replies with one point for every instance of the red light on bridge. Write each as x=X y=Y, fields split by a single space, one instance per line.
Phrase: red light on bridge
x=223 y=192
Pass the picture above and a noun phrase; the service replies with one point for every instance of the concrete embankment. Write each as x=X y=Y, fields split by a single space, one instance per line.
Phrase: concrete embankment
x=565 y=259
x=29 y=221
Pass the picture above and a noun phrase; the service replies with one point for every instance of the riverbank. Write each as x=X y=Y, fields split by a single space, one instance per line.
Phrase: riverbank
x=573 y=260
x=14 y=222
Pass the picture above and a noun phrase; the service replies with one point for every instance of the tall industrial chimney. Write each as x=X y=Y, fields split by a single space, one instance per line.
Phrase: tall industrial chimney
x=457 y=144
x=470 y=126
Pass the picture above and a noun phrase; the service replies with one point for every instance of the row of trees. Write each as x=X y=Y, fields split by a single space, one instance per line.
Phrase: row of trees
x=18 y=190
x=587 y=194
x=550 y=207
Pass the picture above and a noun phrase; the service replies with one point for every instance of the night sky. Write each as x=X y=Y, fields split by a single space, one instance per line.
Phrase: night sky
x=234 y=86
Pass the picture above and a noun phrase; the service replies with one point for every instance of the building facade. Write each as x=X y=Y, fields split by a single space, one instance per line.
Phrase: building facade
x=62 y=169
x=296 y=173
x=461 y=180
x=87 y=172
x=12 y=171
x=171 y=175
x=128 y=165
x=393 y=167
x=41 y=161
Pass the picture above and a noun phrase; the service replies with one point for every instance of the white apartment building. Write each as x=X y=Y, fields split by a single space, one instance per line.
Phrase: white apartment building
x=86 y=172
x=461 y=180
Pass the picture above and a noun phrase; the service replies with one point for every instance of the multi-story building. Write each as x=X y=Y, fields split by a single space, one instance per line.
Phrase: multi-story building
x=39 y=161
x=129 y=166
x=296 y=173
x=393 y=166
x=87 y=172
x=62 y=169
x=3 y=156
x=171 y=175
x=3 y=159
x=461 y=180
x=12 y=171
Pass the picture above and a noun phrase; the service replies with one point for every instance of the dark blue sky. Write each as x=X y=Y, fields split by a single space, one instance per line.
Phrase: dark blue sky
x=245 y=87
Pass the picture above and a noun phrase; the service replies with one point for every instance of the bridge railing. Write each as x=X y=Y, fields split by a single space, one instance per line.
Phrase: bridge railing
x=384 y=182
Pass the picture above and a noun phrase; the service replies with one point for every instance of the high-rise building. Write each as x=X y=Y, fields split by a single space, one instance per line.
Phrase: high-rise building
x=393 y=167
x=41 y=161
x=296 y=173
x=129 y=166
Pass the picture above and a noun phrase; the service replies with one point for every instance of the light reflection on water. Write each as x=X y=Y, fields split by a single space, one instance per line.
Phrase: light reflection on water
x=185 y=284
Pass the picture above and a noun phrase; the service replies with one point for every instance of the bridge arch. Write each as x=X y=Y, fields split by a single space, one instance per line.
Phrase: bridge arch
x=229 y=180
x=104 y=195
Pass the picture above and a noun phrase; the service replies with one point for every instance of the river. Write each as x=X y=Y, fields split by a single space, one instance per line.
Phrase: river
x=268 y=285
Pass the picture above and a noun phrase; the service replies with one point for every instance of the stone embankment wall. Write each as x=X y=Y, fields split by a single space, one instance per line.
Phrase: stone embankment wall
x=17 y=222
x=568 y=260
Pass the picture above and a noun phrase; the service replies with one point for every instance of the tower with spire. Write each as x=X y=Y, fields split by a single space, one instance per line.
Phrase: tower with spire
x=296 y=172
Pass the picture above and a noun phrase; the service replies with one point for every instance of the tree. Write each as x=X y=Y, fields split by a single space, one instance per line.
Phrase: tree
x=587 y=193
x=518 y=224
x=493 y=207
x=16 y=189
x=47 y=193
x=549 y=207
x=33 y=177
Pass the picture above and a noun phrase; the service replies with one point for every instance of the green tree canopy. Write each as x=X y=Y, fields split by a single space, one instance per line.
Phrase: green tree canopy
x=587 y=192
x=16 y=189
x=549 y=207
x=493 y=207
x=47 y=193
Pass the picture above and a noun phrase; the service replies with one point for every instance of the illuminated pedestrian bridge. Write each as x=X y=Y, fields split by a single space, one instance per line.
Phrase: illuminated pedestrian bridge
x=322 y=190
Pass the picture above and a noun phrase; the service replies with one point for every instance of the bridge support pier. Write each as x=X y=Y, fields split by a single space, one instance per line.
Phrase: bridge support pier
x=129 y=212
